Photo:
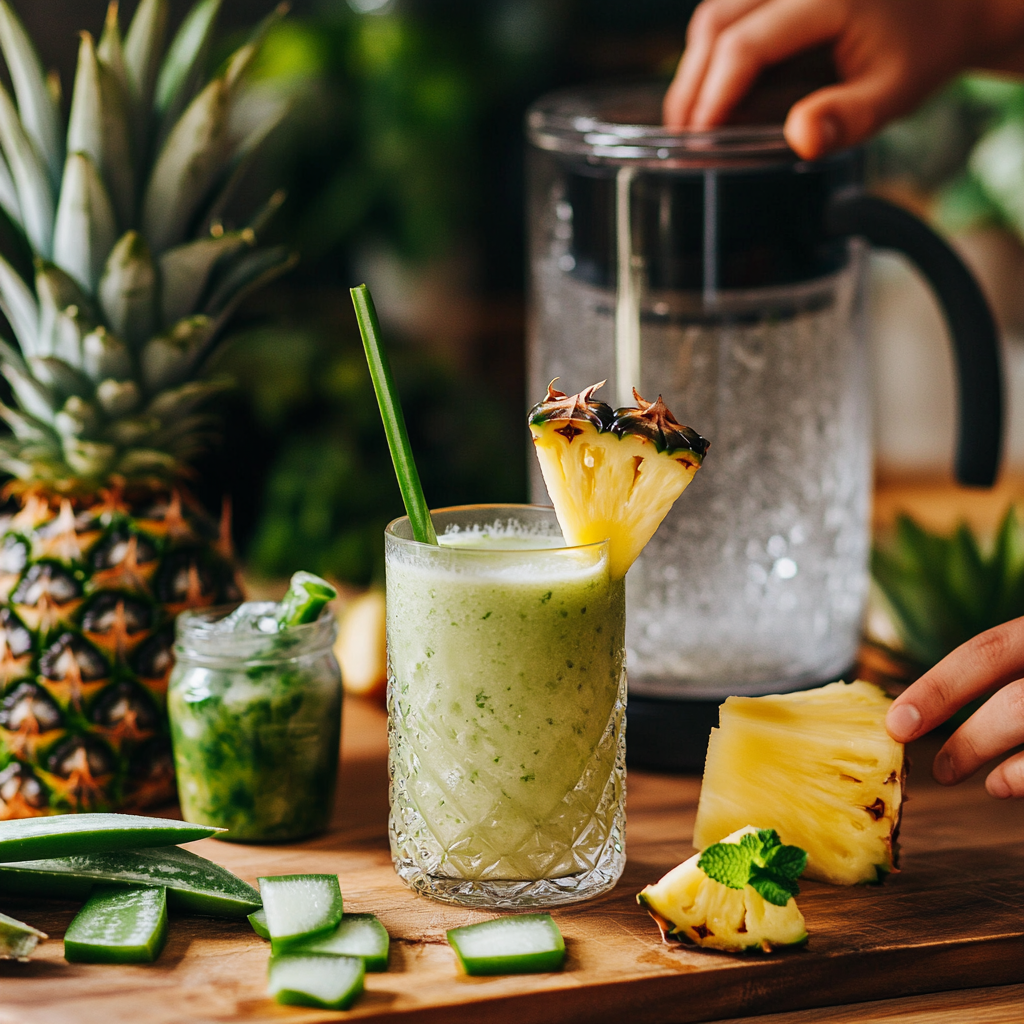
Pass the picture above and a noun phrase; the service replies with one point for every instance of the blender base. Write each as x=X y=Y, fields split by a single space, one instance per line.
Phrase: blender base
x=669 y=735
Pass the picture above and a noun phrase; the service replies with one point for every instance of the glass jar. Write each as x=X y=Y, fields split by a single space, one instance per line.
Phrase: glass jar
x=256 y=726
x=506 y=710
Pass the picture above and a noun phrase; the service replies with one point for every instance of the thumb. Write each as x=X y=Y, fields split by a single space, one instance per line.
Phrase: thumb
x=844 y=115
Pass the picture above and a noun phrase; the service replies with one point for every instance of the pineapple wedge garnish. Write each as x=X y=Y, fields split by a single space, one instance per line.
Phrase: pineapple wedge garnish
x=736 y=895
x=612 y=474
x=817 y=766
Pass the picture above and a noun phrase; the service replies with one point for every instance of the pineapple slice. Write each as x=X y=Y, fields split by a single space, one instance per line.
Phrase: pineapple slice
x=816 y=765
x=612 y=475
x=732 y=915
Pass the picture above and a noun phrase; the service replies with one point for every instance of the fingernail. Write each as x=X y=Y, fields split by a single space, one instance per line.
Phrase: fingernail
x=943 y=770
x=829 y=131
x=903 y=722
x=997 y=786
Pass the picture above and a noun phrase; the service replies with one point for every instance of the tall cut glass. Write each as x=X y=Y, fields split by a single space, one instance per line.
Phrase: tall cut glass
x=506 y=710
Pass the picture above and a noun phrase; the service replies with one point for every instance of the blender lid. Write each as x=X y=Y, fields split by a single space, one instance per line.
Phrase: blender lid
x=621 y=124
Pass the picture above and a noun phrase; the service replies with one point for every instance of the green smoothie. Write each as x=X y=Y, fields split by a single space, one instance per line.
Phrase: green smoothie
x=507 y=702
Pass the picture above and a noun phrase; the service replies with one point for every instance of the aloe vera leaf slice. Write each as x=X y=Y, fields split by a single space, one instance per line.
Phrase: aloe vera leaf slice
x=316 y=979
x=359 y=935
x=61 y=835
x=300 y=907
x=519 y=944
x=118 y=926
x=194 y=884
x=258 y=920
x=306 y=597
x=17 y=939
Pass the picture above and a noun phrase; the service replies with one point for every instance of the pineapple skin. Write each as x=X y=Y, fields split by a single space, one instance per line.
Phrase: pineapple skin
x=90 y=593
x=688 y=905
x=819 y=768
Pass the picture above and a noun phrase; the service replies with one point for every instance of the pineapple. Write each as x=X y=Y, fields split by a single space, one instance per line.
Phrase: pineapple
x=612 y=475
x=723 y=902
x=135 y=275
x=817 y=766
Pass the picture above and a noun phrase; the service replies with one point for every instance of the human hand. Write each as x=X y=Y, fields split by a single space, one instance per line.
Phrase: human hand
x=889 y=54
x=993 y=662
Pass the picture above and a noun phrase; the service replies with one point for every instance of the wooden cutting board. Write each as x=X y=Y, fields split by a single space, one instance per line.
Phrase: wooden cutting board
x=953 y=918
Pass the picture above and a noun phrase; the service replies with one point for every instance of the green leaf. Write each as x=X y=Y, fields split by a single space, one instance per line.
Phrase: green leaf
x=245 y=276
x=175 y=403
x=39 y=112
x=9 y=194
x=183 y=66
x=786 y=861
x=35 y=193
x=105 y=356
x=35 y=399
x=128 y=290
x=86 y=229
x=728 y=863
x=143 y=48
x=77 y=418
x=118 y=397
x=771 y=887
x=65 y=312
x=19 y=306
x=185 y=270
x=60 y=377
x=89 y=459
x=168 y=358
x=111 y=48
x=189 y=161
x=100 y=128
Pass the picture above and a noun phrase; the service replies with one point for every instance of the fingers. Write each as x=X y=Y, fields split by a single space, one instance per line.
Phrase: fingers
x=992 y=659
x=997 y=726
x=843 y=115
x=1007 y=779
x=766 y=35
x=709 y=20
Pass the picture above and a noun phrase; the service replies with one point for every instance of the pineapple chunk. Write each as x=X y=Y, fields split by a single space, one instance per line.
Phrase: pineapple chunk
x=817 y=766
x=360 y=648
x=612 y=475
x=687 y=904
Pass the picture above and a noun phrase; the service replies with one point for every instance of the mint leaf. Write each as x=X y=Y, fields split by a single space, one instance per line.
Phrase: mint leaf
x=773 y=888
x=786 y=861
x=728 y=863
x=769 y=840
x=752 y=842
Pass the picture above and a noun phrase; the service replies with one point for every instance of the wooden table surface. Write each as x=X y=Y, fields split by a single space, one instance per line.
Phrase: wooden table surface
x=617 y=969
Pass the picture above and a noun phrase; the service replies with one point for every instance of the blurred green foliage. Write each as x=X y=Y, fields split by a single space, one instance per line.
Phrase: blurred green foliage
x=965 y=146
x=944 y=590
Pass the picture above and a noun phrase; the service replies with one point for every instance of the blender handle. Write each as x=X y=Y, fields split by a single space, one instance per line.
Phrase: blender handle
x=972 y=328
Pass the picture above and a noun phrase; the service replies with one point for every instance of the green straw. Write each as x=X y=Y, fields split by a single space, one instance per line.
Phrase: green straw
x=394 y=421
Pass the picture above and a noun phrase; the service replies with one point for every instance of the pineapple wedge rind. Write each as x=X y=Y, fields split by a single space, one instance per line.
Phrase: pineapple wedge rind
x=612 y=475
x=817 y=766
x=688 y=906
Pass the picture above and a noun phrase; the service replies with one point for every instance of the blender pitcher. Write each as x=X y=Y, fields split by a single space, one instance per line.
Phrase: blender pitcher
x=723 y=272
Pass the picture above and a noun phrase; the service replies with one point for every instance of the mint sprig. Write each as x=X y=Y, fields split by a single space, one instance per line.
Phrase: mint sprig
x=759 y=860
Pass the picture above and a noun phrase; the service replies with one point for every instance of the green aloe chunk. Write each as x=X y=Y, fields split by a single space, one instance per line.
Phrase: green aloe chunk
x=118 y=926
x=316 y=979
x=258 y=920
x=521 y=944
x=300 y=907
x=17 y=939
x=306 y=597
x=194 y=884
x=61 y=835
x=359 y=935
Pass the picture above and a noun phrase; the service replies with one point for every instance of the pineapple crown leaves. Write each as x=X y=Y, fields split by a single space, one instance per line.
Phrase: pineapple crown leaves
x=651 y=420
x=135 y=274
x=943 y=590
x=654 y=421
x=759 y=860
x=559 y=406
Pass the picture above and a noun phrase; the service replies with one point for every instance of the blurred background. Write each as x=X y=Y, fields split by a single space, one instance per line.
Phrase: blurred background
x=402 y=167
